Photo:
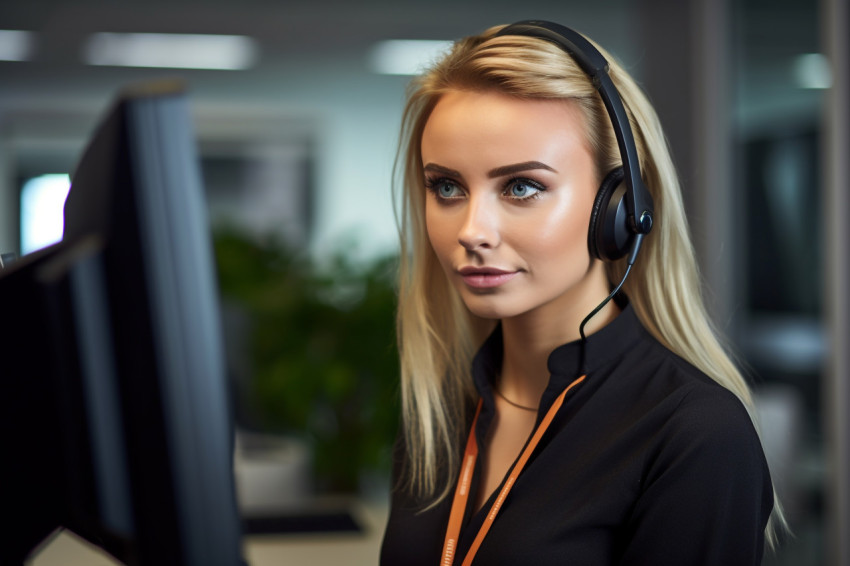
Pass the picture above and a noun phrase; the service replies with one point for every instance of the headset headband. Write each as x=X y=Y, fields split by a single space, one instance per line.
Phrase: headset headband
x=595 y=65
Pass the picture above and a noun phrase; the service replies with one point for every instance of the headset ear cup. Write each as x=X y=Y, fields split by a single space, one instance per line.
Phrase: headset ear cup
x=609 y=237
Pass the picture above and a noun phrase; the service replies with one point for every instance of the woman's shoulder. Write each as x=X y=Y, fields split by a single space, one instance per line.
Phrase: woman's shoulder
x=695 y=401
x=702 y=465
x=703 y=414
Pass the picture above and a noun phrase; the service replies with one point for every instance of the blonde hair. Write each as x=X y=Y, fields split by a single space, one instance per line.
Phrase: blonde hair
x=438 y=336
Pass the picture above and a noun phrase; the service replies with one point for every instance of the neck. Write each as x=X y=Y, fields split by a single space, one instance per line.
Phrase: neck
x=528 y=340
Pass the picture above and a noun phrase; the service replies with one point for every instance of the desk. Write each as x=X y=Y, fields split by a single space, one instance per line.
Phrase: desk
x=318 y=549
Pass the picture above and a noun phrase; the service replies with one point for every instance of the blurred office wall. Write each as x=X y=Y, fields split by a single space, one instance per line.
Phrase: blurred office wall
x=835 y=29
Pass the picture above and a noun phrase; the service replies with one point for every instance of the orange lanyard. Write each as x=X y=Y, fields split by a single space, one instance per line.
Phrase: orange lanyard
x=461 y=497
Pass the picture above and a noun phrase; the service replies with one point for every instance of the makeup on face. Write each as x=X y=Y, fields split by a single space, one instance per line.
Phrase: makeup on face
x=510 y=184
x=485 y=277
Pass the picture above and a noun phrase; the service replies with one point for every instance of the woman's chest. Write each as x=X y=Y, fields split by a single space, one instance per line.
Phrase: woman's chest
x=505 y=439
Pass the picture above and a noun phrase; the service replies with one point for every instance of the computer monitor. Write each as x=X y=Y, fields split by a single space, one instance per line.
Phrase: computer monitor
x=114 y=416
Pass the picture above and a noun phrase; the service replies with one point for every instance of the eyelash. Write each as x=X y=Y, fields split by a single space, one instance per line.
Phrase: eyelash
x=523 y=181
x=433 y=185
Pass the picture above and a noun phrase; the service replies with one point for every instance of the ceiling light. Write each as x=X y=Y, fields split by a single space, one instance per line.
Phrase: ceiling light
x=16 y=45
x=406 y=56
x=812 y=70
x=171 y=50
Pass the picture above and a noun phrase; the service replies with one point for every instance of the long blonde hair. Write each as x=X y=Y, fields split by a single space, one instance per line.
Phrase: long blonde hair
x=438 y=336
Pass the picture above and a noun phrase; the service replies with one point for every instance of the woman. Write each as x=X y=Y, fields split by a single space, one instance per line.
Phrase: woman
x=544 y=423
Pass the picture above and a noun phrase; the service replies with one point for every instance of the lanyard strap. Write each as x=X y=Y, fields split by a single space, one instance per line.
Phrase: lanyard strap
x=461 y=496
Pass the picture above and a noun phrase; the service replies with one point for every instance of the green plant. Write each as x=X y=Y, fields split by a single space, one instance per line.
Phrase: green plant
x=322 y=350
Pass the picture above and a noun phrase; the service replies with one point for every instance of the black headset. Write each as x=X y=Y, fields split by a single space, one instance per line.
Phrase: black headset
x=621 y=215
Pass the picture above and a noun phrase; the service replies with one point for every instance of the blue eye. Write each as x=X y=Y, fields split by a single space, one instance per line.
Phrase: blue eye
x=447 y=190
x=443 y=188
x=522 y=189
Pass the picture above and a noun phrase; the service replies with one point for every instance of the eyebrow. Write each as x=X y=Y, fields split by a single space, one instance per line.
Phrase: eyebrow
x=439 y=169
x=517 y=168
x=493 y=173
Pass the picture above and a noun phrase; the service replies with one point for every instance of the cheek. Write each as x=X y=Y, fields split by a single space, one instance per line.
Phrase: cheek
x=562 y=233
x=439 y=230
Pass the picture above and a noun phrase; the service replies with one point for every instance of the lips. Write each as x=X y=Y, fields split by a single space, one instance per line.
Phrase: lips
x=485 y=277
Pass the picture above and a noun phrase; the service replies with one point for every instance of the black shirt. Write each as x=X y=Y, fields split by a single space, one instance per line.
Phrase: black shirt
x=648 y=461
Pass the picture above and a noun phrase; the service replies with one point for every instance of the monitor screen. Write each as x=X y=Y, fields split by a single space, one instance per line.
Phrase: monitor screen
x=115 y=419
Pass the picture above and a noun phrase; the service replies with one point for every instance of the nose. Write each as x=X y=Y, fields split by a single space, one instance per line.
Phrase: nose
x=480 y=228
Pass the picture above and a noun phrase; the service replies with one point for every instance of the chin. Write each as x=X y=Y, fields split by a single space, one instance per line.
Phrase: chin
x=490 y=306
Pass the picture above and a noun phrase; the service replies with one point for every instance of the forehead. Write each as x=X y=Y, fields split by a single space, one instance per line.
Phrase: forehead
x=497 y=127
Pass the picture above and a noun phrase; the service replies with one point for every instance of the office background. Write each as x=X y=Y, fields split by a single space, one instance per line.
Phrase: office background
x=297 y=151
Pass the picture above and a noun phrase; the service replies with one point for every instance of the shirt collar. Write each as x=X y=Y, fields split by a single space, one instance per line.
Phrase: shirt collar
x=566 y=362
